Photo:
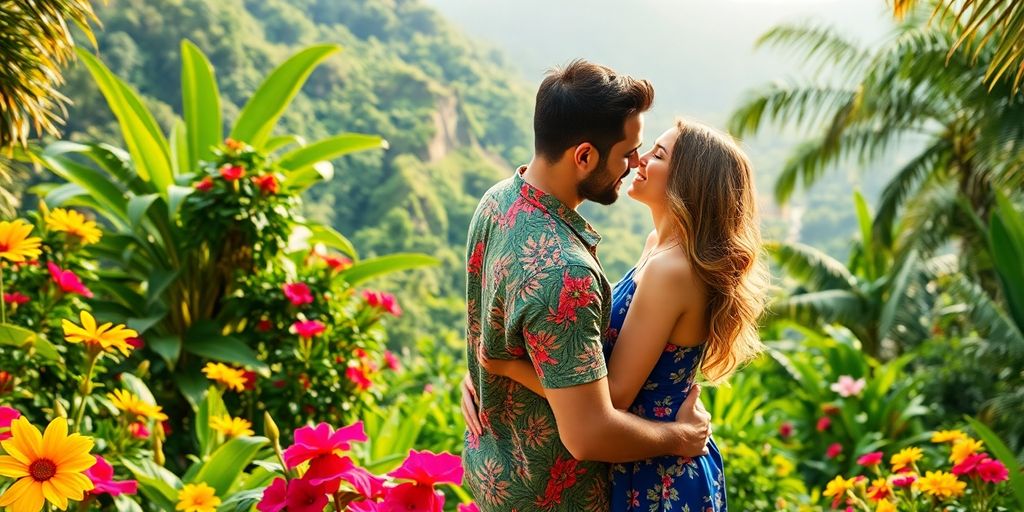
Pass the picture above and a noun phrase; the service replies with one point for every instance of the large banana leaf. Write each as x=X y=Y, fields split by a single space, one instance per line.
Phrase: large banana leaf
x=1006 y=242
x=201 y=103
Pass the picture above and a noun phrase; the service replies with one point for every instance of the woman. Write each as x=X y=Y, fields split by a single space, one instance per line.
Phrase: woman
x=689 y=305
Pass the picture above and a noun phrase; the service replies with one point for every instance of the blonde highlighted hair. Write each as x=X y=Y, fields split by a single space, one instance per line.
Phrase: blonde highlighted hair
x=713 y=198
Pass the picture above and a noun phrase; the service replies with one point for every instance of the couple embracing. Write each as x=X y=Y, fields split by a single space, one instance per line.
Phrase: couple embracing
x=581 y=395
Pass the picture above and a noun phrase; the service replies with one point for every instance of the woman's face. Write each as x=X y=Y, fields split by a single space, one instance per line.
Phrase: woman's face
x=650 y=186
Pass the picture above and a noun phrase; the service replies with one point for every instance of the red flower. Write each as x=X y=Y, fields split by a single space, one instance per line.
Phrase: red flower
x=275 y=496
x=298 y=293
x=870 y=459
x=232 y=172
x=15 y=298
x=264 y=325
x=6 y=383
x=204 y=184
x=102 y=475
x=267 y=183
x=563 y=476
x=322 y=439
x=7 y=416
x=391 y=360
x=834 y=450
x=904 y=481
x=408 y=496
x=250 y=380
x=303 y=496
x=68 y=281
x=576 y=293
x=993 y=471
x=970 y=464
x=429 y=468
x=358 y=377
x=136 y=342
x=382 y=301
x=824 y=423
x=138 y=430
x=786 y=430
x=337 y=263
x=309 y=328
x=476 y=259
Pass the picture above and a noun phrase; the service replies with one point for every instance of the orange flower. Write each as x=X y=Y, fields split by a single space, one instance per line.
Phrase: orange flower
x=15 y=244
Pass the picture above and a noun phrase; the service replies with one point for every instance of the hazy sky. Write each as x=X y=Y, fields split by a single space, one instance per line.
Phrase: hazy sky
x=698 y=53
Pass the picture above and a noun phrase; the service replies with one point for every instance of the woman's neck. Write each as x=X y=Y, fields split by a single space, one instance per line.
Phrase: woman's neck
x=665 y=227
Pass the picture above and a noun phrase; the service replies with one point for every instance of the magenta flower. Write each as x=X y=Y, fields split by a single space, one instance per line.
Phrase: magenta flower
x=275 y=496
x=7 y=416
x=391 y=360
x=823 y=423
x=904 y=481
x=309 y=328
x=298 y=293
x=303 y=496
x=428 y=468
x=411 y=496
x=68 y=281
x=786 y=430
x=322 y=439
x=993 y=471
x=970 y=464
x=328 y=471
x=847 y=386
x=358 y=377
x=468 y=507
x=382 y=301
x=138 y=430
x=834 y=450
x=102 y=475
x=15 y=298
x=870 y=459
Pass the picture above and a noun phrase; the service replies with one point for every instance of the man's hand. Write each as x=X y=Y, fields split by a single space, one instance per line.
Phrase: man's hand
x=470 y=406
x=694 y=423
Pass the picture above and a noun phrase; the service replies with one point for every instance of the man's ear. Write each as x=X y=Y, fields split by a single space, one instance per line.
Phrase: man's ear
x=585 y=157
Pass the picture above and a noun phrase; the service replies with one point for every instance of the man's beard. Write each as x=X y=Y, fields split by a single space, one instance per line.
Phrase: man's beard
x=597 y=188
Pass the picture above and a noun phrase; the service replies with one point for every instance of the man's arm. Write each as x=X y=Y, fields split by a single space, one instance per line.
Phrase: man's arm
x=591 y=429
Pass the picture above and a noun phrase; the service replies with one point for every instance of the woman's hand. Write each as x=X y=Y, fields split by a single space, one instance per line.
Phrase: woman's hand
x=471 y=406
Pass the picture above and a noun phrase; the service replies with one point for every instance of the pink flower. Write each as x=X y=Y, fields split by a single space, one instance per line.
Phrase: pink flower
x=834 y=450
x=68 y=281
x=298 y=293
x=337 y=263
x=232 y=172
x=309 y=328
x=786 y=430
x=870 y=459
x=470 y=507
x=428 y=388
x=303 y=496
x=358 y=376
x=102 y=475
x=205 y=184
x=328 y=471
x=904 y=481
x=15 y=298
x=275 y=496
x=970 y=464
x=391 y=360
x=138 y=430
x=847 y=386
x=136 y=342
x=322 y=440
x=428 y=468
x=824 y=423
x=267 y=183
x=7 y=416
x=409 y=496
x=993 y=471
x=382 y=301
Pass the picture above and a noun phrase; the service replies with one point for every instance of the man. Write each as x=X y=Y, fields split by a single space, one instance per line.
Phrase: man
x=536 y=290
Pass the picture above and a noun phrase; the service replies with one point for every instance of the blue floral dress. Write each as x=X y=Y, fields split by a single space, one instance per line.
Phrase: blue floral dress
x=659 y=484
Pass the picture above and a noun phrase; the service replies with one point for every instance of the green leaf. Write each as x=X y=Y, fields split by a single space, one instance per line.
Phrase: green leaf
x=147 y=145
x=106 y=193
x=201 y=103
x=866 y=238
x=192 y=385
x=179 y=148
x=374 y=267
x=204 y=340
x=137 y=207
x=1005 y=455
x=169 y=348
x=211 y=407
x=15 y=336
x=228 y=462
x=1006 y=242
x=321 y=234
x=268 y=103
x=300 y=161
x=277 y=142
x=46 y=349
x=156 y=285
x=156 y=483
x=135 y=385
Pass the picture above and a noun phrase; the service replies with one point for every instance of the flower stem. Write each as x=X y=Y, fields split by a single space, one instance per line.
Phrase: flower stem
x=85 y=389
x=3 y=302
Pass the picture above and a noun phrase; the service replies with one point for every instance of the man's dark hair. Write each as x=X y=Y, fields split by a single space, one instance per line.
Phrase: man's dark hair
x=586 y=102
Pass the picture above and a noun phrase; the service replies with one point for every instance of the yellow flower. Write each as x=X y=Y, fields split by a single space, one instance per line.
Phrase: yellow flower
x=838 y=486
x=130 y=403
x=47 y=466
x=940 y=484
x=230 y=377
x=107 y=337
x=885 y=506
x=948 y=436
x=783 y=467
x=197 y=498
x=231 y=427
x=15 y=244
x=74 y=223
x=965 y=448
x=905 y=458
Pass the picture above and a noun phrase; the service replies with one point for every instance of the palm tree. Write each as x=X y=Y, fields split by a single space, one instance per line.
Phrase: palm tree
x=981 y=19
x=904 y=90
x=35 y=42
x=884 y=304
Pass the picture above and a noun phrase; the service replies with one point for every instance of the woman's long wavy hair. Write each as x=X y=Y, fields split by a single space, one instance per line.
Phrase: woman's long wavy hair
x=712 y=197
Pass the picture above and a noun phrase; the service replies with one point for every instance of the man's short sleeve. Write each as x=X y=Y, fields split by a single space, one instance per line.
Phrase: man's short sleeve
x=562 y=329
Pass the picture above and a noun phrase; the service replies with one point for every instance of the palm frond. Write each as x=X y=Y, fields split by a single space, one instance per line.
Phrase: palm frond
x=987 y=315
x=819 y=45
x=814 y=269
x=928 y=219
x=819 y=308
x=906 y=180
x=792 y=104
